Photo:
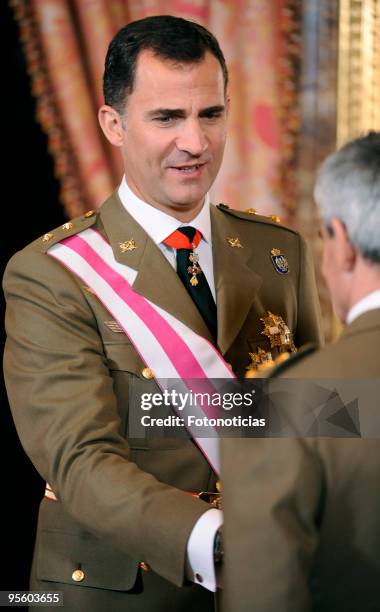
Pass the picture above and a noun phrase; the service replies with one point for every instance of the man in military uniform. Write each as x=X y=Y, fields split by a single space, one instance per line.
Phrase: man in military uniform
x=118 y=528
x=302 y=528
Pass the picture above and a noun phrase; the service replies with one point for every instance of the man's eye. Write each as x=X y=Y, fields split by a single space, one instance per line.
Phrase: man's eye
x=164 y=119
x=214 y=115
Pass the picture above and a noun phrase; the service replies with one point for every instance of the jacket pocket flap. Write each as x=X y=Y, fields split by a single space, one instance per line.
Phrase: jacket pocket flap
x=61 y=555
x=123 y=357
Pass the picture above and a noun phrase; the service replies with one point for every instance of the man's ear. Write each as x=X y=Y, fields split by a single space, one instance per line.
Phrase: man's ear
x=345 y=250
x=111 y=124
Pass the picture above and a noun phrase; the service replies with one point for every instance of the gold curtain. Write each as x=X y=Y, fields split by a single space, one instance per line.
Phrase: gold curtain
x=65 y=42
x=358 y=69
x=339 y=99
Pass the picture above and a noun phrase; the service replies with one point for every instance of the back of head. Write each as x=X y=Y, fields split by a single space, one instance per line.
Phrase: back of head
x=168 y=37
x=348 y=188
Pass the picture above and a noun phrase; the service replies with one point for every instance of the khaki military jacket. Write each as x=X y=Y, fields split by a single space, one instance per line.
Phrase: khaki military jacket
x=302 y=528
x=71 y=378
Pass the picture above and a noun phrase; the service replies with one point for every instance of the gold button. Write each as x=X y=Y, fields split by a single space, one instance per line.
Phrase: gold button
x=77 y=575
x=47 y=237
x=144 y=566
x=199 y=578
x=147 y=373
x=218 y=486
x=67 y=226
x=89 y=213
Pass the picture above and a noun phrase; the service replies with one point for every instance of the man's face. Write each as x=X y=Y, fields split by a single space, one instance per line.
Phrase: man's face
x=174 y=131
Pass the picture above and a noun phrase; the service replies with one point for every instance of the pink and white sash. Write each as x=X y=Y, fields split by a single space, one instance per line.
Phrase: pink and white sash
x=167 y=346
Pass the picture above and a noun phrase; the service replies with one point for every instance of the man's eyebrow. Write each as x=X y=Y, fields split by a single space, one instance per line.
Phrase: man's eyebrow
x=168 y=112
x=180 y=112
x=218 y=109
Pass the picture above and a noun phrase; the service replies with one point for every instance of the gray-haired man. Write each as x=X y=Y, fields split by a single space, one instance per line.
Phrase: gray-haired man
x=302 y=528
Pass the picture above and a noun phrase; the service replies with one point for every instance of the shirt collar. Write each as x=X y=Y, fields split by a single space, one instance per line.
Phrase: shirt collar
x=157 y=224
x=369 y=302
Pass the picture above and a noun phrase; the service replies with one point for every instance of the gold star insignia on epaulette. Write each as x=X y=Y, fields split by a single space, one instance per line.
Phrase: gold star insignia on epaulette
x=234 y=243
x=275 y=218
x=67 y=226
x=128 y=245
x=251 y=211
x=89 y=213
x=47 y=237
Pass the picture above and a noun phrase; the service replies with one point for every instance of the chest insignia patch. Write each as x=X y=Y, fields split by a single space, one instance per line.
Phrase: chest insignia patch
x=279 y=261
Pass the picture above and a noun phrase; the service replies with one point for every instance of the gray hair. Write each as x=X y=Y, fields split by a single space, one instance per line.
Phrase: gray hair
x=348 y=188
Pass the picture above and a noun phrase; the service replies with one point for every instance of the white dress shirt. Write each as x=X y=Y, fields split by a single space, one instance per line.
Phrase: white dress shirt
x=158 y=225
x=369 y=302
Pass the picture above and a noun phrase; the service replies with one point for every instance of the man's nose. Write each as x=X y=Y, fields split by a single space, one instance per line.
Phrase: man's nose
x=192 y=138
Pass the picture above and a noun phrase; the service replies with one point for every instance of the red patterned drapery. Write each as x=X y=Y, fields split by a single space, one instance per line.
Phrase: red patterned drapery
x=65 y=42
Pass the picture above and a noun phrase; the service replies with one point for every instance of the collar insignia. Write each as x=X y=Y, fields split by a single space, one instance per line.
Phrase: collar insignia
x=128 y=245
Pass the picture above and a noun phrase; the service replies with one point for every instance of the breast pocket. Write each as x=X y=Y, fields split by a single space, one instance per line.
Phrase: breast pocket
x=130 y=386
x=122 y=356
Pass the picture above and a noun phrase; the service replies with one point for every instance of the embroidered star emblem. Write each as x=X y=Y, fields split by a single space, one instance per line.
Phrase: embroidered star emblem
x=128 y=245
x=234 y=243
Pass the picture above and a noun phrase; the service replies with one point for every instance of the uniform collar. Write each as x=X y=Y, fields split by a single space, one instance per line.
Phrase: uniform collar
x=369 y=302
x=157 y=224
x=236 y=283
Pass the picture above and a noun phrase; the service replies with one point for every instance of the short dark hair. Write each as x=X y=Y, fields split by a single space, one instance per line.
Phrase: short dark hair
x=169 y=37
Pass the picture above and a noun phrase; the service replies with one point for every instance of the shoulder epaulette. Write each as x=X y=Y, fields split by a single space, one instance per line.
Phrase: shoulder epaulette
x=251 y=214
x=70 y=228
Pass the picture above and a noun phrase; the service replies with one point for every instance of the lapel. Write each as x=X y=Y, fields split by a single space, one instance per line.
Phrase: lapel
x=235 y=282
x=156 y=279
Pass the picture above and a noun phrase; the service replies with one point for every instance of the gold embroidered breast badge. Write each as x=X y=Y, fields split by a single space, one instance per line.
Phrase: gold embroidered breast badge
x=259 y=358
x=278 y=333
